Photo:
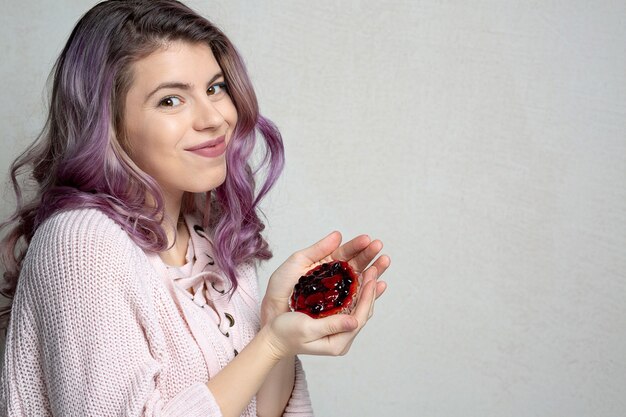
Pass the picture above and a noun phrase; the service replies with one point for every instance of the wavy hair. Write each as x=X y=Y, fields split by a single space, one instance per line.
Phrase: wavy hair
x=78 y=160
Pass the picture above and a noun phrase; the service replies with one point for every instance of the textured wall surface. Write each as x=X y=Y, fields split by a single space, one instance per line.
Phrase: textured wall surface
x=484 y=142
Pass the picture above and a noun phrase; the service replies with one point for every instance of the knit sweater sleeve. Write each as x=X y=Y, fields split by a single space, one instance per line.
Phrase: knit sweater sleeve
x=81 y=339
x=299 y=404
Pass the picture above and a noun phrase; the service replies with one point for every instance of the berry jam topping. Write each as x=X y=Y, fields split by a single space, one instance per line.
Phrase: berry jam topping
x=327 y=289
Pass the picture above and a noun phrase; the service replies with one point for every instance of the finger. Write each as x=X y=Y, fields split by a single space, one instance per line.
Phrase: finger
x=320 y=249
x=360 y=261
x=331 y=325
x=365 y=301
x=339 y=343
x=381 y=286
x=371 y=312
x=382 y=263
x=349 y=249
x=362 y=313
x=370 y=274
x=347 y=347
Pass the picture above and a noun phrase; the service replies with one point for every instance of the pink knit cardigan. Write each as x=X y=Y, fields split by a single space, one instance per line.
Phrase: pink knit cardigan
x=101 y=328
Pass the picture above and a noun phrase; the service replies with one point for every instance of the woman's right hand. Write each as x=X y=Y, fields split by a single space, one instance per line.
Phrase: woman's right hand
x=295 y=333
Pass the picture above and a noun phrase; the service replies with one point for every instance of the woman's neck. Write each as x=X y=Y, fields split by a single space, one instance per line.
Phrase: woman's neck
x=176 y=232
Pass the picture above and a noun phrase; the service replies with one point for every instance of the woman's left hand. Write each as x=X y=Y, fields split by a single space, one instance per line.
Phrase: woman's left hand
x=358 y=252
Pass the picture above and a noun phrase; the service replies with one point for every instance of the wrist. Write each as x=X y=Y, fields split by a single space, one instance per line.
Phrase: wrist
x=270 y=309
x=273 y=349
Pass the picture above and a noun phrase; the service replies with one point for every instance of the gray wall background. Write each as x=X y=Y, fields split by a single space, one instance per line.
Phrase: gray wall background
x=484 y=142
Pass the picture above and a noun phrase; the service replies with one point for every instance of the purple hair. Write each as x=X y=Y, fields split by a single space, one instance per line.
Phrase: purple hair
x=79 y=158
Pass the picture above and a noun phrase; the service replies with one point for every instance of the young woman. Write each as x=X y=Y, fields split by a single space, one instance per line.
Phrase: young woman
x=132 y=267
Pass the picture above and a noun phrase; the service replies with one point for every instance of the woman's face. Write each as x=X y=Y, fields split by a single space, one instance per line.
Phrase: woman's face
x=179 y=119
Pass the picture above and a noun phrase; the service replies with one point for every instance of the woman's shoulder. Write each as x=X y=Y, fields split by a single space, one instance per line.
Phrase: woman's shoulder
x=83 y=249
x=79 y=223
x=80 y=235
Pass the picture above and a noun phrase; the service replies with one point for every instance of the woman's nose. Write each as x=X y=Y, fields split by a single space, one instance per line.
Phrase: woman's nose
x=208 y=115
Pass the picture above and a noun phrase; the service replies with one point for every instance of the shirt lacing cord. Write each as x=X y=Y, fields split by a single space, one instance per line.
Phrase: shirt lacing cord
x=208 y=290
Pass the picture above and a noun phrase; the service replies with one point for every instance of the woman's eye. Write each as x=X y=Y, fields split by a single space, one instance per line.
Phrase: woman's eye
x=170 y=102
x=216 y=89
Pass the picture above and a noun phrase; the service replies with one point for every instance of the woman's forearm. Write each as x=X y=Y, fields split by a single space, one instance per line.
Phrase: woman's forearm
x=235 y=385
x=275 y=392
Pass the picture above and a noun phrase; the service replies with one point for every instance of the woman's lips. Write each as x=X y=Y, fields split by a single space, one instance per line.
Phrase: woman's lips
x=210 y=149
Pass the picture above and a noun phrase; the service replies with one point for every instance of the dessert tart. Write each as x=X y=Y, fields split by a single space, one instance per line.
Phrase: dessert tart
x=329 y=288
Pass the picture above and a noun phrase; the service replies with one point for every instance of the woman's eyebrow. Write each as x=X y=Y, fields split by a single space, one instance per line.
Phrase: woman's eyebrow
x=172 y=84
x=179 y=85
